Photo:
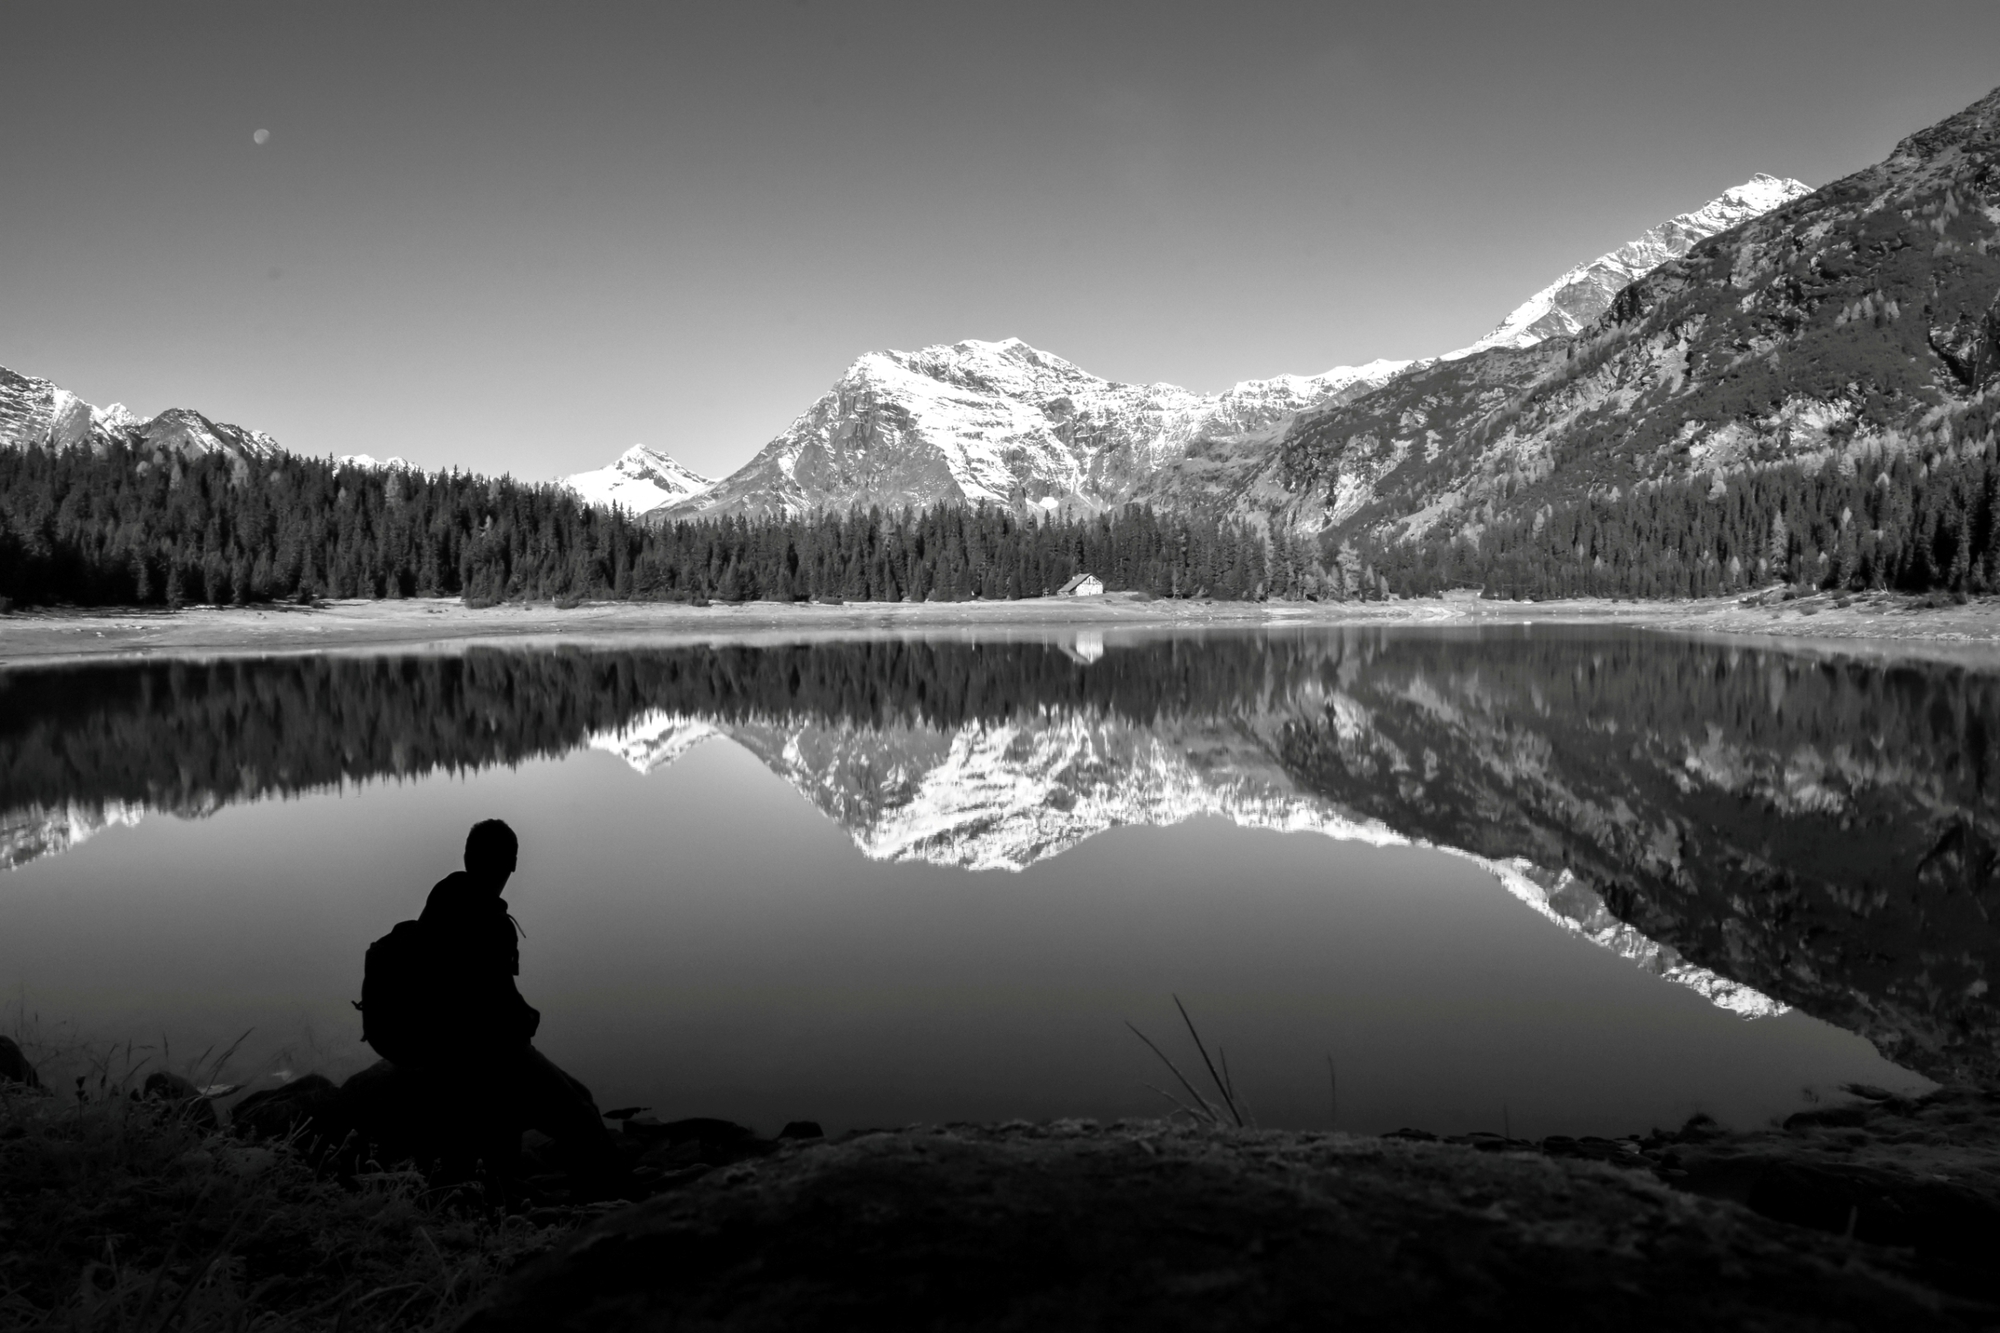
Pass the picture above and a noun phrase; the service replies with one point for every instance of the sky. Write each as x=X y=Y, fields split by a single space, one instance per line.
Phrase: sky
x=523 y=237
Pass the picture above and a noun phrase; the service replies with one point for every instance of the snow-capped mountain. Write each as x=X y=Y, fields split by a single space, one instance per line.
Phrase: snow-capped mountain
x=36 y=413
x=1586 y=291
x=1008 y=424
x=641 y=480
x=998 y=422
x=1853 y=324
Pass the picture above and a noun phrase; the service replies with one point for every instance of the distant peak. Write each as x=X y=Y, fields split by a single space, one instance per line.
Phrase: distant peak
x=640 y=479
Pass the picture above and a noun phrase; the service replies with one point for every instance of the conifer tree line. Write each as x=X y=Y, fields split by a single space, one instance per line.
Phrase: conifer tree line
x=117 y=527
x=120 y=527
x=1910 y=521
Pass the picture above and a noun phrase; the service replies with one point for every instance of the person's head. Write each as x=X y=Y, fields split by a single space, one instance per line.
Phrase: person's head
x=490 y=851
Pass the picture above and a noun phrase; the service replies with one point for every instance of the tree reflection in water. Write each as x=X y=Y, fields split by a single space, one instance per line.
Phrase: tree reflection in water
x=1820 y=829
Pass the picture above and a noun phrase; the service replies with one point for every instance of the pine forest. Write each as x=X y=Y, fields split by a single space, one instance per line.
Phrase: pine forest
x=117 y=527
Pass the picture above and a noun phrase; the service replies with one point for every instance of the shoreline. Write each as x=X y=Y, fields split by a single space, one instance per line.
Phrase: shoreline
x=1886 y=1201
x=1883 y=624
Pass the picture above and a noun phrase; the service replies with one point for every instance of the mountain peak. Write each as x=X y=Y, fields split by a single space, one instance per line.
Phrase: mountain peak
x=1844 y=330
x=642 y=479
x=37 y=414
x=1586 y=291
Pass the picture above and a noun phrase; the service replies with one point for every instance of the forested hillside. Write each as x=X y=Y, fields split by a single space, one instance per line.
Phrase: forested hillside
x=1917 y=523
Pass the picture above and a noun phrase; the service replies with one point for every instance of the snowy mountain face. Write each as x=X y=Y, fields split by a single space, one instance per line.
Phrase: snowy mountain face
x=999 y=423
x=1586 y=291
x=1853 y=324
x=37 y=414
x=640 y=481
x=1003 y=423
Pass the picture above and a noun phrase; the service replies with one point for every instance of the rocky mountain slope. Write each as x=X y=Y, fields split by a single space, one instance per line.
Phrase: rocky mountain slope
x=1000 y=422
x=1844 y=327
x=34 y=412
x=1008 y=424
x=1586 y=291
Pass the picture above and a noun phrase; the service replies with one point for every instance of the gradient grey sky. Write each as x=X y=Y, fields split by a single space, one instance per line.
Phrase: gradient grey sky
x=525 y=236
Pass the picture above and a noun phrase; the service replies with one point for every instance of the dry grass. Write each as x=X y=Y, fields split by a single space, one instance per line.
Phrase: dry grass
x=1230 y=1108
x=124 y=1214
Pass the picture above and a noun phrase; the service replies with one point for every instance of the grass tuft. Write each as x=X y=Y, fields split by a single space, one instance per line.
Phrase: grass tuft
x=1232 y=1108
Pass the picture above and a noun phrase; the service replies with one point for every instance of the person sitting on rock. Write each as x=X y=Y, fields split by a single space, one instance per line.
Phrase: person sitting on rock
x=449 y=1014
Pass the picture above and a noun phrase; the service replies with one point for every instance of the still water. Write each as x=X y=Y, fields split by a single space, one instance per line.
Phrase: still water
x=1550 y=881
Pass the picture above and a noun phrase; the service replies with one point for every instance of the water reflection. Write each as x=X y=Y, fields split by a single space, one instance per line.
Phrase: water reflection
x=1764 y=827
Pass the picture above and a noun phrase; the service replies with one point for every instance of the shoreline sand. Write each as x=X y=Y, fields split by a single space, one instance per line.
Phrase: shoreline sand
x=1873 y=625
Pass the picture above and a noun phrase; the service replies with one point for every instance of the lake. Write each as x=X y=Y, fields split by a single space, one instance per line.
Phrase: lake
x=1534 y=880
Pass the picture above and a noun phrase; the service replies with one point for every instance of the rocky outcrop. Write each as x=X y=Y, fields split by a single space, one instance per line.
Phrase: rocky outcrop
x=15 y=1067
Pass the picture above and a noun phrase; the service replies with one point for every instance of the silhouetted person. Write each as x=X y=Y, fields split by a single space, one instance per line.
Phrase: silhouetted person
x=474 y=950
x=471 y=1046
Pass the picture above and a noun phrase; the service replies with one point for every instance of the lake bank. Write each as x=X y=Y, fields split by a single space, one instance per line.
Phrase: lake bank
x=1898 y=624
x=1874 y=1213
x=1146 y=1224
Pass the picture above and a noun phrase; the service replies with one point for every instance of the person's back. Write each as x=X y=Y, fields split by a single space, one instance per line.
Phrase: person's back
x=476 y=1010
x=473 y=1047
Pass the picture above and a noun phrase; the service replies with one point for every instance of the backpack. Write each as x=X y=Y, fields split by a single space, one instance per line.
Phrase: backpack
x=396 y=998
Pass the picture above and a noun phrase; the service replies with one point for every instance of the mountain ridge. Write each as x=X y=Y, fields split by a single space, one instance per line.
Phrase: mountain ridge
x=1008 y=424
x=1843 y=328
x=639 y=479
x=995 y=422
x=37 y=413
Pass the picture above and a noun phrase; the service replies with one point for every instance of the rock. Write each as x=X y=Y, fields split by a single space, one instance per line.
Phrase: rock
x=699 y=1129
x=276 y=1113
x=1155 y=1227
x=394 y=1119
x=15 y=1066
x=698 y=1140
x=1920 y=1173
x=164 y=1086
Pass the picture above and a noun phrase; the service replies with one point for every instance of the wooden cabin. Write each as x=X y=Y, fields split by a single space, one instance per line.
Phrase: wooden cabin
x=1083 y=585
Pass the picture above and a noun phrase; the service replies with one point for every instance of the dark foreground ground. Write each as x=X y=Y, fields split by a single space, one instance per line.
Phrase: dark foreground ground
x=148 y=1211
x=1874 y=1217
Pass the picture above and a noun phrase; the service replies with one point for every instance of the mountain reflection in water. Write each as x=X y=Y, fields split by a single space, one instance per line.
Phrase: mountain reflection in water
x=1768 y=827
